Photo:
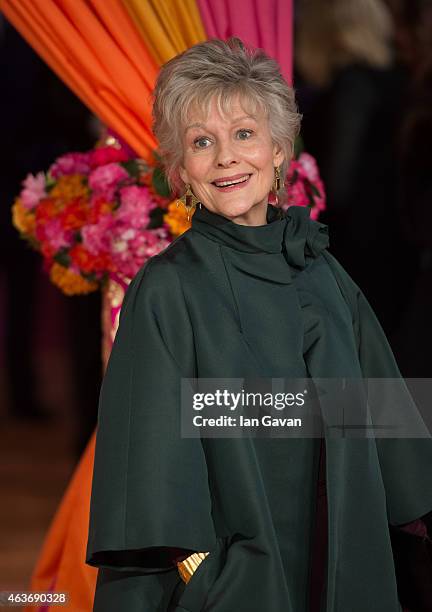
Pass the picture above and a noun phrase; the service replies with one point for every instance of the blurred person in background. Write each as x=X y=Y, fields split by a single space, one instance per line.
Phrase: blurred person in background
x=414 y=48
x=40 y=120
x=351 y=94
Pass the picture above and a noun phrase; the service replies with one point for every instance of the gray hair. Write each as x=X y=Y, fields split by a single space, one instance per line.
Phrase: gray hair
x=221 y=70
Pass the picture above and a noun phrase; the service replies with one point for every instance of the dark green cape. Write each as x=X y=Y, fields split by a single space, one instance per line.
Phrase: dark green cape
x=226 y=300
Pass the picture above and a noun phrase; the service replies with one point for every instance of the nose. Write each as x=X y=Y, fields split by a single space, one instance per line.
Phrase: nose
x=226 y=156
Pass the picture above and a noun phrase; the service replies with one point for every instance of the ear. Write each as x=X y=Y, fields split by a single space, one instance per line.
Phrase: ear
x=278 y=155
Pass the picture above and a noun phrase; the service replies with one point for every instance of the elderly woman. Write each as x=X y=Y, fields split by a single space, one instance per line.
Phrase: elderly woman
x=249 y=292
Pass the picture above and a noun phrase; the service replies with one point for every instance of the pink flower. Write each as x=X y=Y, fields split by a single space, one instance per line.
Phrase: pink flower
x=97 y=236
x=297 y=194
x=106 y=155
x=34 y=190
x=304 y=185
x=71 y=163
x=56 y=235
x=104 y=179
x=307 y=167
x=157 y=240
x=131 y=248
x=314 y=213
x=136 y=204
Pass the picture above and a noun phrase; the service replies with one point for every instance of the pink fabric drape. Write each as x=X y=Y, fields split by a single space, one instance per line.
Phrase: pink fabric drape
x=260 y=23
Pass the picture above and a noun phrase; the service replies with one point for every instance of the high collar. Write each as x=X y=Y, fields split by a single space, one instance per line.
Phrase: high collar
x=291 y=232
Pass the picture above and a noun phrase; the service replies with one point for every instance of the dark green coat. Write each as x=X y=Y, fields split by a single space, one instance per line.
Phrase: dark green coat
x=226 y=300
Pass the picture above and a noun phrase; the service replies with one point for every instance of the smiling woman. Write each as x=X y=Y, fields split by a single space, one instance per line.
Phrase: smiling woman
x=250 y=292
x=223 y=114
x=229 y=160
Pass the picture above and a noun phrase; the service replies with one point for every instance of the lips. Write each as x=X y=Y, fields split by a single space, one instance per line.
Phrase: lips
x=231 y=181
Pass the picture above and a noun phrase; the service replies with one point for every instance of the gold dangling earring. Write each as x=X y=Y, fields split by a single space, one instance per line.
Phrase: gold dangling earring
x=276 y=184
x=277 y=180
x=189 y=200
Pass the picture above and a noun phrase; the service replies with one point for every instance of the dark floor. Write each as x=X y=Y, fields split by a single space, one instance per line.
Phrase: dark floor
x=35 y=467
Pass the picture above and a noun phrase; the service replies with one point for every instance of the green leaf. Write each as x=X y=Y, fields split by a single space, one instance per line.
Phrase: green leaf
x=62 y=257
x=50 y=181
x=298 y=147
x=90 y=276
x=315 y=190
x=160 y=182
x=156 y=218
x=158 y=158
x=131 y=167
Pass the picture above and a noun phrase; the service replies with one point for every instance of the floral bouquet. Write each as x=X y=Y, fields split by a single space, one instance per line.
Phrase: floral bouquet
x=94 y=215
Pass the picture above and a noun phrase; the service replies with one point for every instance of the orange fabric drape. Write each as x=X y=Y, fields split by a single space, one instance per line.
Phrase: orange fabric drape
x=62 y=559
x=95 y=47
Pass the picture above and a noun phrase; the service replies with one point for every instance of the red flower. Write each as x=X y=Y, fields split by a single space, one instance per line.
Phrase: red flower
x=106 y=155
x=75 y=214
x=86 y=262
x=47 y=251
x=81 y=258
x=46 y=209
x=98 y=207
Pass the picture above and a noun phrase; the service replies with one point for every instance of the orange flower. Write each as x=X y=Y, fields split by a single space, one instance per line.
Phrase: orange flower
x=176 y=218
x=70 y=282
x=23 y=219
x=87 y=262
x=69 y=188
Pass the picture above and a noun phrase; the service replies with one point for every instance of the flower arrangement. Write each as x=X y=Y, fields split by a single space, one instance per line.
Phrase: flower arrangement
x=100 y=215
x=92 y=215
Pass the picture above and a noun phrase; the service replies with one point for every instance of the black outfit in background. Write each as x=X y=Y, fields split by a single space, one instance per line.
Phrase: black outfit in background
x=351 y=128
x=414 y=337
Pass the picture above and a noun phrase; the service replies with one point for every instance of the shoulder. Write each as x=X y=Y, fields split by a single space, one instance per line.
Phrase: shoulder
x=349 y=289
x=339 y=271
x=161 y=270
x=157 y=282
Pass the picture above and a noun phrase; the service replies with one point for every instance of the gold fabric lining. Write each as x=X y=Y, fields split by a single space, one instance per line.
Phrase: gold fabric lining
x=188 y=566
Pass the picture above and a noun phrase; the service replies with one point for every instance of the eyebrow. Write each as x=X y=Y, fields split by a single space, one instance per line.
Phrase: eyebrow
x=236 y=120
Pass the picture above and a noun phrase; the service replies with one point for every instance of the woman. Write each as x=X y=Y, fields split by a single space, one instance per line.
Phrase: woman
x=248 y=292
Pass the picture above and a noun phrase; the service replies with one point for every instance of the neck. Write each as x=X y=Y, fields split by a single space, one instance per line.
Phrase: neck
x=255 y=216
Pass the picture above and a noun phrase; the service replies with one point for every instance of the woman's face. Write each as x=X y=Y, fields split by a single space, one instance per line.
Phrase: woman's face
x=229 y=162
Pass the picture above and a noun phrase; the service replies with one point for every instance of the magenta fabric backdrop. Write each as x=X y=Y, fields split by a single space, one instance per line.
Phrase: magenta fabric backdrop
x=267 y=24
